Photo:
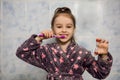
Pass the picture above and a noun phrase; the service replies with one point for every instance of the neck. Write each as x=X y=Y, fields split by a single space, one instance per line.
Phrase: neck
x=64 y=45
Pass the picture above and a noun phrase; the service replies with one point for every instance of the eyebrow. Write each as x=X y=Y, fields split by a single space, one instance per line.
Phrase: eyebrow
x=58 y=24
x=67 y=24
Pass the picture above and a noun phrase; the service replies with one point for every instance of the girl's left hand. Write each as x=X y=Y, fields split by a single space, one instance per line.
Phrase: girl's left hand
x=101 y=46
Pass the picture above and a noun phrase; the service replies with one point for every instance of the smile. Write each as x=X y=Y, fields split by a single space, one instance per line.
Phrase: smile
x=65 y=35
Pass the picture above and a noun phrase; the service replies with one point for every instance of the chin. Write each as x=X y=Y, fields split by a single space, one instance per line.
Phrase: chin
x=64 y=41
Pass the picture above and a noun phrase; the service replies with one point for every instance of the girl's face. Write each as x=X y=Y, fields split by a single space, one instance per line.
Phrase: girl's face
x=63 y=25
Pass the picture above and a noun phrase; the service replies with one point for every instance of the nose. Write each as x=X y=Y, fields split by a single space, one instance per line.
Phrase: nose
x=64 y=29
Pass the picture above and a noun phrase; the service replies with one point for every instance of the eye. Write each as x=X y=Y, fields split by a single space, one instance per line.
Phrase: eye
x=59 y=26
x=69 y=26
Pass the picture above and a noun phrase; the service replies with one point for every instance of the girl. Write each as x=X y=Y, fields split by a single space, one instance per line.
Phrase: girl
x=65 y=59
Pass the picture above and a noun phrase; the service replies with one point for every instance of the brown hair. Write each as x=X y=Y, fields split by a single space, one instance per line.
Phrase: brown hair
x=63 y=10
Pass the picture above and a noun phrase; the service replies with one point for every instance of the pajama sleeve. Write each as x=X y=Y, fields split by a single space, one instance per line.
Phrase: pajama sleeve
x=100 y=68
x=31 y=52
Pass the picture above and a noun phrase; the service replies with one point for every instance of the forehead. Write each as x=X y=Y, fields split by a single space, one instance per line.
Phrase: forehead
x=63 y=18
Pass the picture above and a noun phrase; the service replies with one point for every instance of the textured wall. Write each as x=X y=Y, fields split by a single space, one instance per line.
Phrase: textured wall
x=21 y=18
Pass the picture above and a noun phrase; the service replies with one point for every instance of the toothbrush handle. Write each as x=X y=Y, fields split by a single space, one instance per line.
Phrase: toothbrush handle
x=54 y=36
x=41 y=35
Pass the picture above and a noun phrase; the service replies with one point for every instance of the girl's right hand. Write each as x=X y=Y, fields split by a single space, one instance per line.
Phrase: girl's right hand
x=47 y=34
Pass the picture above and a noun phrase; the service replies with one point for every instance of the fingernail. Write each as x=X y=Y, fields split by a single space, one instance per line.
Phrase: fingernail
x=96 y=53
x=98 y=40
x=107 y=42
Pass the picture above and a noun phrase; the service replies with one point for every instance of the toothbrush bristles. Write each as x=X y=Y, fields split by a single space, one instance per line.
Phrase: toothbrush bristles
x=62 y=36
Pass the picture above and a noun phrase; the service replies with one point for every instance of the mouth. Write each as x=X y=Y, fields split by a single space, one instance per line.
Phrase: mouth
x=63 y=35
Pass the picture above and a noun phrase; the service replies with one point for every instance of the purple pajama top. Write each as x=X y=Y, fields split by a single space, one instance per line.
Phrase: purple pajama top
x=61 y=65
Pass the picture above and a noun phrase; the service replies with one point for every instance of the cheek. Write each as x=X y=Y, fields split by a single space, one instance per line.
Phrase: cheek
x=72 y=31
x=55 y=31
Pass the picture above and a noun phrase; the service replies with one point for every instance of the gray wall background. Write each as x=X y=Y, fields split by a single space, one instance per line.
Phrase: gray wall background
x=19 y=19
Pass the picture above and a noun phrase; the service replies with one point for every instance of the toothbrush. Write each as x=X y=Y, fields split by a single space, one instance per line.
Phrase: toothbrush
x=54 y=36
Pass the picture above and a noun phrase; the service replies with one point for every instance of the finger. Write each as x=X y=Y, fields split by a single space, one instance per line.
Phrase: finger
x=102 y=41
x=106 y=41
x=96 y=53
x=101 y=51
x=46 y=34
x=102 y=45
x=50 y=34
x=98 y=40
x=98 y=44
